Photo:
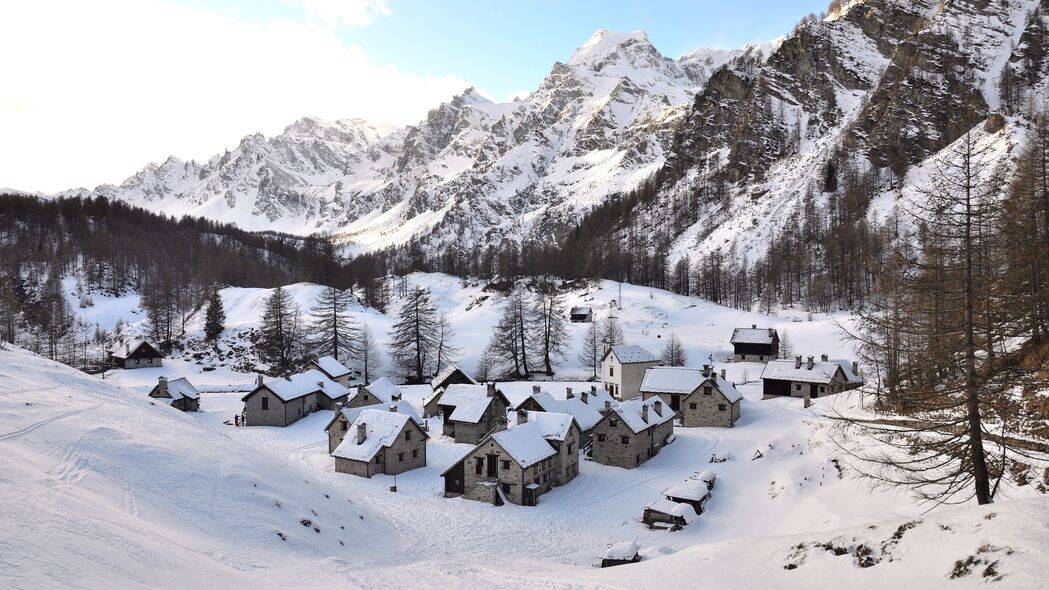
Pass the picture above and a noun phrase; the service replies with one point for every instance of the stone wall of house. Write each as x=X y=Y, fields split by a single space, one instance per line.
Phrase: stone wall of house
x=405 y=454
x=567 y=464
x=609 y=448
x=279 y=413
x=337 y=432
x=470 y=433
x=699 y=409
x=143 y=363
x=358 y=468
x=508 y=471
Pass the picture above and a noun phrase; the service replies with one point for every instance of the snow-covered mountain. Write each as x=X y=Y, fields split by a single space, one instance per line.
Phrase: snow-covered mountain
x=598 y=124
x=880 y=85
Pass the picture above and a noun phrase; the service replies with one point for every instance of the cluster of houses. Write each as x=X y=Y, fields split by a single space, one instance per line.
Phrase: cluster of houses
x=518 y=453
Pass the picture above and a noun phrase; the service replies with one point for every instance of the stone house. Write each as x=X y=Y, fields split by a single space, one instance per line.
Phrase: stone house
x=332 y=369
x=381 y=442
x=701 y=397
x=380 y=391
x=584 y=406
x=622 y=369
x=519 y=464
x=632 y=432
x=469 y=411
x=280 y=402
x=135 y=354
x=809 y=379
x=754 y=344
x=581 y=315
x=344 y=417
x=178 y=393
x=450 y=375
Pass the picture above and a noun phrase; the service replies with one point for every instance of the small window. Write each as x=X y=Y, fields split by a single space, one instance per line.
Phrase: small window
x=479 y=465
x=823 y=388
x=600 y=438
x=400 y=457
x=407 y=435
x=571 y=448
x=345 y=426
x=797 y=387
x=624 y=440
x=505 y=464
x=692 y=406
x=722 y=407
x=708 y=390
x=613 y=422
x=611 y=371
x=415 y=453
x=265 y=403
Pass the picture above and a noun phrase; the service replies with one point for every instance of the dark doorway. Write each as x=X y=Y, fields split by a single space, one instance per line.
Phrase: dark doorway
x=492 y=459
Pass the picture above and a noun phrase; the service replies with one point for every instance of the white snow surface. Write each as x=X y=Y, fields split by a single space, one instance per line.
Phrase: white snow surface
x=632 y=413
x=685 y=380
x=526 y=443
x=305 y=383
x=180 y=388
x=632 y=353
x=331 y=366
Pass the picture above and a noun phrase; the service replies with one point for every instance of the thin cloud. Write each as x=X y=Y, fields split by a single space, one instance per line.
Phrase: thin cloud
x=348 y=13
x=92 y=96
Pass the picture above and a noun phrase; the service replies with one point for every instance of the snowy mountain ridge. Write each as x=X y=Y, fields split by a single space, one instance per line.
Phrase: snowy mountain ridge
x=599 y=123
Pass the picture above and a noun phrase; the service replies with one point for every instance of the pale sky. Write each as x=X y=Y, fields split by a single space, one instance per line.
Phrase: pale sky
x=92 y=90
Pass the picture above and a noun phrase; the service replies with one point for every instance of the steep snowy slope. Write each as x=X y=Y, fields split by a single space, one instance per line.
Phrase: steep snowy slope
x=102 y=488
x=879 y=86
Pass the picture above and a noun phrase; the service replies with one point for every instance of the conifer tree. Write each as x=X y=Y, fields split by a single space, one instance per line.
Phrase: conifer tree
x=367 y=351
x=214 y=316
x=591 y=352
x=332 y=329
x=280 y=332
x=413 y=337
x=673 y=354
x=551 y=333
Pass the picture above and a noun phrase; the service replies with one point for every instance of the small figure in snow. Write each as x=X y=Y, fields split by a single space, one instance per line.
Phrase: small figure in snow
x=236 y=419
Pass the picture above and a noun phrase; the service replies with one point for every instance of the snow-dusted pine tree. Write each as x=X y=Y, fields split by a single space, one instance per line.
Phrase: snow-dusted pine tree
x=333 y=331
x=673 y=354
x=590 y=354
x=413 y=337
x=214 y=316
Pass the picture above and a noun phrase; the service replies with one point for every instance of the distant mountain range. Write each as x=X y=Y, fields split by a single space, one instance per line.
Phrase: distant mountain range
x=877 y=84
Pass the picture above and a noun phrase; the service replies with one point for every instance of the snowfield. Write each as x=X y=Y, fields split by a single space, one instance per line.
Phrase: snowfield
x=103 y=488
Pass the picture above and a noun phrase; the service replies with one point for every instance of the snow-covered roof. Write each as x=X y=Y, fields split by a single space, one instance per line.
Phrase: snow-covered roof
x=784 y=370
x=621 y=550
x=331 y=367
x=694 y=489
x=552 y=425
x=585 y=413
x=631 y=413
x=445 y=373
x=305 y=383
x=469 y=401
x=122 y=350
x=384 y=389
x=846 y=367
x=665 y=506
x=685 y=380
x=403 y=407
x=752 y=336
x=181 y=387
x=525 y=443
x=381 y=429
x=632 y=353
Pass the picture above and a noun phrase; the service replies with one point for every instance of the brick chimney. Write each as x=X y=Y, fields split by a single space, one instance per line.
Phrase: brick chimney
x=823 y=357
x=593 y=390
x=393 y=408
x=258 y=381
x=522 y=416
x=584 y=395
x=797 y=362
x=809 y=367
x=706 y=370
x=491 y=390
x=856 y=368
x=568 y=393
x=722 y=373
x=535 y=389
x=362 y=432
x=658 y=407
x=608 y=407
x=754 y=326
x=360 y=390
x=644 y=412
x=162 y=385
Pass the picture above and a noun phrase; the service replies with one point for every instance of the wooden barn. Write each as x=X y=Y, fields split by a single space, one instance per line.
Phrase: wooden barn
x=135 y=354
x=754 y=344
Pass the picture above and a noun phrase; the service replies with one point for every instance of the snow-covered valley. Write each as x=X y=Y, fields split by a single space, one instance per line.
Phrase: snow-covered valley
x=135 y=493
